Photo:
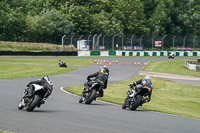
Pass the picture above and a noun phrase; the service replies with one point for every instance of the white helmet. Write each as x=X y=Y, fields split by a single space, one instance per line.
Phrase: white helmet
x=148 y=78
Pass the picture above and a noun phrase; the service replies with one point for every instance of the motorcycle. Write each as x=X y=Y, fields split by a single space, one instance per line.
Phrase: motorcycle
x=135 y=97
x=171 y=56
x=63 y=65
x=33 y=97
x=91 y=94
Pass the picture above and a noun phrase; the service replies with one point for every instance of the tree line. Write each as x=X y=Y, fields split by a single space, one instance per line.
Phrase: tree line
x=49 y=20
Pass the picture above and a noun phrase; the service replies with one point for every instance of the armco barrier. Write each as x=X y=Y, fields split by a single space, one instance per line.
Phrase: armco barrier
x=198 y=68
x=192 y=66
x=101 y=53
x=139 y=53
x=112 y=53
x=26 y=53
x=94 y=53
x=177 y=53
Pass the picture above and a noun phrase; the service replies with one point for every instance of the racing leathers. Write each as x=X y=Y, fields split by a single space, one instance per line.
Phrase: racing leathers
x=46 y=84
x=142 y=84
x=100 y=78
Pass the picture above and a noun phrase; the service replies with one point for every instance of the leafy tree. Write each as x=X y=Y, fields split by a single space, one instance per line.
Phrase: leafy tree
x=105 y=23
x=48 y=26
x=195 y=17
x=80 y=18
x=12 y=23
x=131 y=14
x=159 y=20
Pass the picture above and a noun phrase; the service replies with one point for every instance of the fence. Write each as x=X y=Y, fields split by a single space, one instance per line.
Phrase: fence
x=132 y=42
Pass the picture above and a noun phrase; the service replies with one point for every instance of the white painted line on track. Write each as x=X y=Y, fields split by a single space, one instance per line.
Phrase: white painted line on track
x=62 y=89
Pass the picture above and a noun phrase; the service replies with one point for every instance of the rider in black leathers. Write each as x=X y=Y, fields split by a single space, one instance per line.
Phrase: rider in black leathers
x=43 y=81
x=61 y=63
x=101 y=77
x=145 y=83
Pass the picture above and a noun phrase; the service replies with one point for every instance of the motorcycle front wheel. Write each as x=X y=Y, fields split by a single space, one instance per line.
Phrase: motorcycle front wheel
x=91 y=97
x=136 y=102
x=34 y=103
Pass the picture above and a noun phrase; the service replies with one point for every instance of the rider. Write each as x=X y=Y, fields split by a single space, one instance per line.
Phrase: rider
x=45 y=82
x=60 y=62
x=145 y=83
x=101 y=77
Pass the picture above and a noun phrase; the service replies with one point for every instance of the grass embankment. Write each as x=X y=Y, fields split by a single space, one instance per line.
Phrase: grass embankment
x=27 y=46
x=168 y=97
x=170 y=66
x=21 y=68
x=4 y=132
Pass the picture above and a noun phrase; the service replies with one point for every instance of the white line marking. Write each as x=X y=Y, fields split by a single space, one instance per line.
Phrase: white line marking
x=62 y=89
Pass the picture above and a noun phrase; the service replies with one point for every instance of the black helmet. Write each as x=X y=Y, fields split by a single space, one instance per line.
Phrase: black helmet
x=105 y=70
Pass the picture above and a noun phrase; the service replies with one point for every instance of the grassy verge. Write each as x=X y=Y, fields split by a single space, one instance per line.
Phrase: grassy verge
x=28 y=46
x=21 y=68
x=4 y=132
x=172 y=66
x=167 y=96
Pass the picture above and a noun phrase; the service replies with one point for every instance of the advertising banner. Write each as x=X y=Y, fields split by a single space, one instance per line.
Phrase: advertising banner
x=82 y=45
x=184 y=49
x=158 y=43
x=136 y=48
x=128 y=48
x=140 y=48
x=101 y=47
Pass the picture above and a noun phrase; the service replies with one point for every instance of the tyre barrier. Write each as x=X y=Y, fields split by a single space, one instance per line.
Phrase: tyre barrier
x=138 y=53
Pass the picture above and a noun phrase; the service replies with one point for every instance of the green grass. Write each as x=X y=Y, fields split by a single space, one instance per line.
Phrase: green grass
x=167 y=96
x=28 y=46
x=4 y=132
x=172 y=66
x=21 y=68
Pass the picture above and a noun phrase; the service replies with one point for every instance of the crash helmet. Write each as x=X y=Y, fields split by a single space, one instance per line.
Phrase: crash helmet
x=105 y=70
x=45 y=77
x=148 y=78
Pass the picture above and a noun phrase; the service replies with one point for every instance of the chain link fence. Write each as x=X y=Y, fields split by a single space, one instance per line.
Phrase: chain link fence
x=130 y=42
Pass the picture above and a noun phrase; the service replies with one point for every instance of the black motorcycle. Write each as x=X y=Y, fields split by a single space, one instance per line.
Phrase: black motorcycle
x=171 y=56
x=33 y=97
x=91 y=94
x=135 y=97
x=62 y=65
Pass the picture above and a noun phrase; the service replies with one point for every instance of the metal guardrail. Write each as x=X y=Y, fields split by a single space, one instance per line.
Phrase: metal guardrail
x=119 y=42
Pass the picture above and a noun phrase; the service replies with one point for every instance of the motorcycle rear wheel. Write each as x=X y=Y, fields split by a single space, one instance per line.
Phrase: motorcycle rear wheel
x=34 y=103
x=124 y=105
x=91 y=97
x=137 y=101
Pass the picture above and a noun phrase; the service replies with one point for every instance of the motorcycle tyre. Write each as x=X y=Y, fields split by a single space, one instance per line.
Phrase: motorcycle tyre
x=20 y=107
x=138 y=101
x=34 y=103
x=124 y=105
x=91 y=98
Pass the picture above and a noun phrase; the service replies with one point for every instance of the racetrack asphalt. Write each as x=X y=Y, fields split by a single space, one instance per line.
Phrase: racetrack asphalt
x=62 y=113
